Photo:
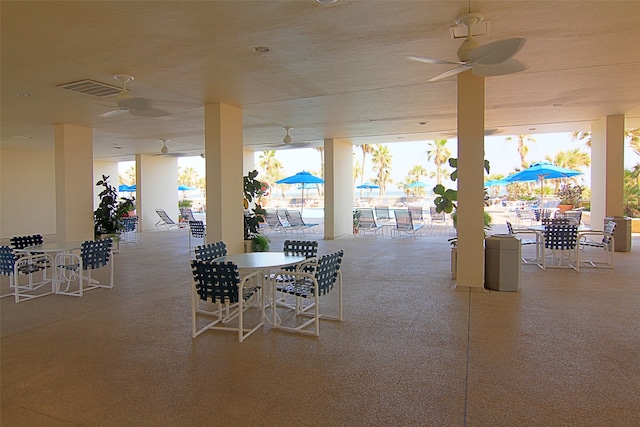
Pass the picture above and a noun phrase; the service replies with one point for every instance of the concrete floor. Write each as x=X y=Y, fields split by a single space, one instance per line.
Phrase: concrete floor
x=564 y=350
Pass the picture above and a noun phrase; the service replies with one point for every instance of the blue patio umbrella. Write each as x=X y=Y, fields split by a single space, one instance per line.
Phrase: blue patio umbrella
x=417 y=184
x=301 y=178
x=368 y=186
x=496 y=182
x=183 y=187
x=539 y=172
x=124 y=188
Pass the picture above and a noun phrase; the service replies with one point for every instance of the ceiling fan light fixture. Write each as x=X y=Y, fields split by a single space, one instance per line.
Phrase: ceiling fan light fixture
x=164 y=150
x=287 y=138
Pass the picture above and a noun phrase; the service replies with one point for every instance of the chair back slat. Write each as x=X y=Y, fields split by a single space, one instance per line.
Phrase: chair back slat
x=366 y=219
x=403 y=219
x=211 y=251
x=560 y=236
x=197 y=229
x=306 y=248
x=216 y=281
x=327 y=271
x=129 y=223
x=7 y=260
x=21 y=242
x=95 y=253
x=416 y=213
x=382 y=212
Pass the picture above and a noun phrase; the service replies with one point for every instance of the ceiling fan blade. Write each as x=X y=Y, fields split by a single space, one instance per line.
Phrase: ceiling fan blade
x=452 y=72
x=509 y=66
x=434 y=61
x=136 y=103
x=114 y=113
x=496 y=52
x=151 y=112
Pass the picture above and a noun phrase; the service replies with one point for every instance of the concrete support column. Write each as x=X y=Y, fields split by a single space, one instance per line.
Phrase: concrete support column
x=470 y=272
x=224 y=171
x=74 y=182
x=607 y=169
x=338 y=198
x=156 y=188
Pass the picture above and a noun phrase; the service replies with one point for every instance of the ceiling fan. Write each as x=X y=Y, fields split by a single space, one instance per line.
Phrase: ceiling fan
x=287 y=141
x=492 y=59
x=164 y=151
x=127 y=103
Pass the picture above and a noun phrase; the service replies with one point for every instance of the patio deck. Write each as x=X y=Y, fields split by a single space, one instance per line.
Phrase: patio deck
x=411 y=351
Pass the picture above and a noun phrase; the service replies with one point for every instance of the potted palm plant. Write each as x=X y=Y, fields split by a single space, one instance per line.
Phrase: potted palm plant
x=253 y=215
x=107 y=220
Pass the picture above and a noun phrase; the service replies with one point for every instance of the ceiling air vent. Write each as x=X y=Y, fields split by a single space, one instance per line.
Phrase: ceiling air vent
x=92 y=88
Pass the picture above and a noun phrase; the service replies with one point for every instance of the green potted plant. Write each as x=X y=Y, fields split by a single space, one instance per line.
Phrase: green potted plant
x=356 y=222
x=260 y=243
x=447 y=201
x=253 y=190
x=106 y=219
x=126 y=207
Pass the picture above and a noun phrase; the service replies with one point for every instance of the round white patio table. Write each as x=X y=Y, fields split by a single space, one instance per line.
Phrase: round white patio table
x=265 y=262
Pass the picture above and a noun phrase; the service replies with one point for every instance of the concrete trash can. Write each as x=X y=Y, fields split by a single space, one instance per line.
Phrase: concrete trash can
x=622 y=233
x=502 y=263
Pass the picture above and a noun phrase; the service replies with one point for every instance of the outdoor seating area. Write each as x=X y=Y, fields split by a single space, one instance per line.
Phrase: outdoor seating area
x=286 y=221
x=461 y=336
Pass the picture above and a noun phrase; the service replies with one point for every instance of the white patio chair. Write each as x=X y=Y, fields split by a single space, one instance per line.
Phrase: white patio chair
x=75 y=271
x=606 y=244
x=219 y=284
x=367 y=222
x=310 y=285
x=404 y=224
x=560 y=245
x=165 y=220
x=15 y=264
x=211 y=251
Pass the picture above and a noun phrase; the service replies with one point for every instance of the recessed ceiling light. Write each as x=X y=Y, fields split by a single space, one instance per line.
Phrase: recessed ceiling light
x=423 y=123
x=557 y=105
x=532 y=128
x=23 y=94
x=262 y=49
x=326 y=1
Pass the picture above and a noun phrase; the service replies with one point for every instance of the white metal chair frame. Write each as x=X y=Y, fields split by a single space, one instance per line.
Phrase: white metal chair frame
x=517 y=233
x=73 y=267
x=367 y=222
x=14 y=264
x=607 y=244
x=560 y=241
x=220 y=284
x=435 y=216
x=404 y=224
x=296 y=223
x=165 y=220
x=314 y=279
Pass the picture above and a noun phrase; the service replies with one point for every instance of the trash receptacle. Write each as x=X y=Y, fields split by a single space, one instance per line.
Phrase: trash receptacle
x=502 y=263
x=622 y=233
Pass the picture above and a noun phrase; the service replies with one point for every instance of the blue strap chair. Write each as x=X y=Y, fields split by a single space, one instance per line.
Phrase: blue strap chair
x=14 y=264
x=220 y=285
x=211 y=251
x=75 y=271
x=305 y=285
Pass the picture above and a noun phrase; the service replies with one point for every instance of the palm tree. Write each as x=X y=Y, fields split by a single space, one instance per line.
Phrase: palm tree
x=382 y=165
x=439 y=153
x=357 y=171
x=632 y=135
x=271 y=166
x=321 y=151
x=128 y=177
x=188 y=176
x=522 y=147
x=572 y=159
x=366 y=149
x=415 y=173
